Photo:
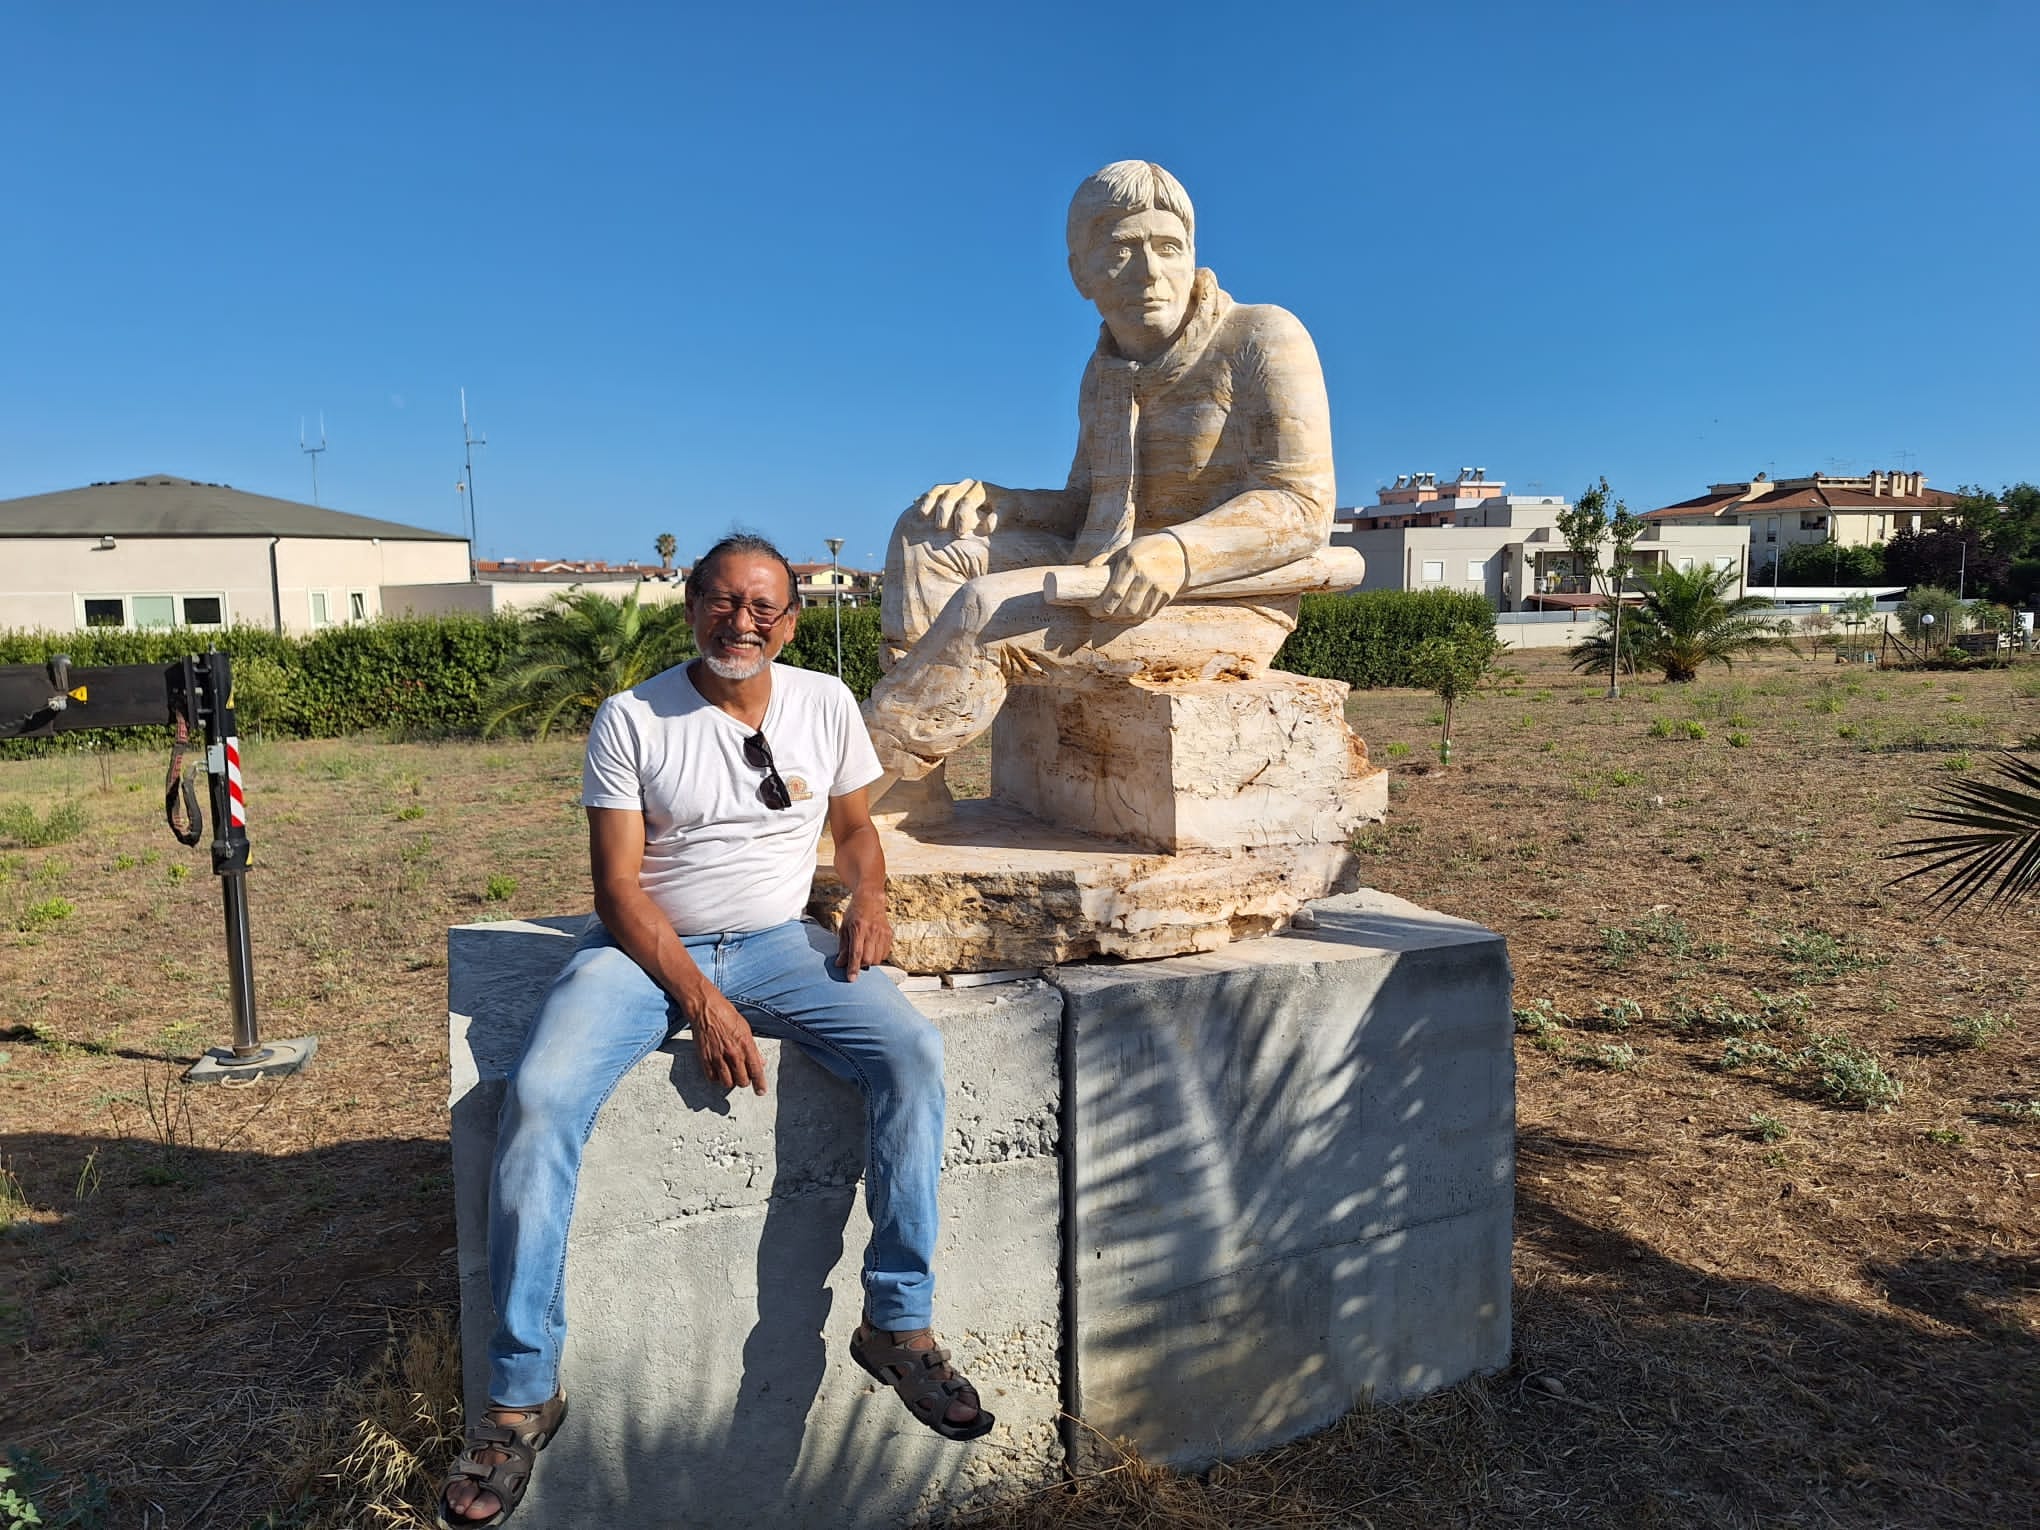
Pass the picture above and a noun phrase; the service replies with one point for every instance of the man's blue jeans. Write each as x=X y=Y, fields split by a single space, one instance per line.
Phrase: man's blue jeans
x=602 y=1016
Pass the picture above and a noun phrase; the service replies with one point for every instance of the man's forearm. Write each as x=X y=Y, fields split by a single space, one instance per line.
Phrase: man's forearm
x=647 y=937
x=860 y=863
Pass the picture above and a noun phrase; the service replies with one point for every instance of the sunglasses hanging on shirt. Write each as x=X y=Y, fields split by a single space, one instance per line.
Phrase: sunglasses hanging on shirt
x=772 y=790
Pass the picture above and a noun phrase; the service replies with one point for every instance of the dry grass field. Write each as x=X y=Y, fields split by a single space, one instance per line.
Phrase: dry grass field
x=1780 y=1127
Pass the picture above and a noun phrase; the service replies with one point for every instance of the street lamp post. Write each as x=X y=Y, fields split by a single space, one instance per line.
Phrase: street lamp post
x=836 y=596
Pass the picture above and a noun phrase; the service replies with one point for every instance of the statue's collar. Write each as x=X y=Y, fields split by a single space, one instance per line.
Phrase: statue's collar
x=1208 y=304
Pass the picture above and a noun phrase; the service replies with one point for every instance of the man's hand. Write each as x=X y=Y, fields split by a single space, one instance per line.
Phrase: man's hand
x=866 y=936
x=958 y=507
x=1145 y=575
x=722 y=1037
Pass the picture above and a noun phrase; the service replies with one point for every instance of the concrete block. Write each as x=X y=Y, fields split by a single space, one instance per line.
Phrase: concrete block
x=713 y=1269
x=1291 y=1170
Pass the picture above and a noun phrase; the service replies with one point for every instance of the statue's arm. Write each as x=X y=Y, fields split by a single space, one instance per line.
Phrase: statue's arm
x=1285 y=512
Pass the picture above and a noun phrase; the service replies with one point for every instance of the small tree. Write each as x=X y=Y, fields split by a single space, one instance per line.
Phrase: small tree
x=665 y=547
x=1454 y=667
x=1927 y=615
x=1686 y=620
x=1585 y=526
x=579 y=649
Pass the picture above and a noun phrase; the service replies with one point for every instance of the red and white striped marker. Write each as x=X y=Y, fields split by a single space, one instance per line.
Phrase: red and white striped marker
x=237 y=804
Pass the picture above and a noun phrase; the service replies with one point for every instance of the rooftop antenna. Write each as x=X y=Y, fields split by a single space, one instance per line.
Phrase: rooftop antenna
x=469 y=441
x=313 y=451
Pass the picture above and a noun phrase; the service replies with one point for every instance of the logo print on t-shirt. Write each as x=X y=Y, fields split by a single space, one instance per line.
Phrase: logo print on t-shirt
x=797 y=788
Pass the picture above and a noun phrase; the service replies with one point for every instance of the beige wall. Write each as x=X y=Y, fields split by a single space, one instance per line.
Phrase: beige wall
x=1503 y=562
x=490 y=597
x=44 y=581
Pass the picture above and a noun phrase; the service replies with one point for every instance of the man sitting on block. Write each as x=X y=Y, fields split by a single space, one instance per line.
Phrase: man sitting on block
x=1203 y=477
x=706 y=789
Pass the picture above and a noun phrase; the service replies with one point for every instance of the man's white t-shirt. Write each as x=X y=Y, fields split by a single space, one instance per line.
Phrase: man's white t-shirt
x=717 y=859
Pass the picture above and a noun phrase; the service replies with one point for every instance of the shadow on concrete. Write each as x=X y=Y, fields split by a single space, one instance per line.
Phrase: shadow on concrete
x=1295 y=1160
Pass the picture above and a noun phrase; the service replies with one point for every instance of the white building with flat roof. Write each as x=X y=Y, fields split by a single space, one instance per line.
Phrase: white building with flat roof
x=1471 y=534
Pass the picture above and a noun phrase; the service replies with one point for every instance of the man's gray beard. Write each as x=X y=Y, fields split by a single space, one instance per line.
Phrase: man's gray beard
x=724 y=669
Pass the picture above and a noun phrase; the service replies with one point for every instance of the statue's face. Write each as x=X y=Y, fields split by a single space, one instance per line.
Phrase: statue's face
x=1138 y=271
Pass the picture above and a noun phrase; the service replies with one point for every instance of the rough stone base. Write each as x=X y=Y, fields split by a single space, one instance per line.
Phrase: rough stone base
x=1188 y=764
x=993 y=888
x=714 y=1261
x=1292 y=1169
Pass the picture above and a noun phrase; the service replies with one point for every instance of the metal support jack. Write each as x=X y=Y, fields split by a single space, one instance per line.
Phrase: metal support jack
x=36 y=703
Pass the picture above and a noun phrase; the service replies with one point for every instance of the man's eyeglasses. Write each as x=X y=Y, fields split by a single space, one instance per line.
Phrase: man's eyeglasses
x=725 y=605
x=772 y=790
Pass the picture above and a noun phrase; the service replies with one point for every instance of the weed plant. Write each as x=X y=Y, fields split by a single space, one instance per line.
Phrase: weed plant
x=1979 y=1031
x=20 y=823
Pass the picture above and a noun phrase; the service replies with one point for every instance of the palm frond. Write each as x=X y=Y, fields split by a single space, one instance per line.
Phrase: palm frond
x=1997 y=839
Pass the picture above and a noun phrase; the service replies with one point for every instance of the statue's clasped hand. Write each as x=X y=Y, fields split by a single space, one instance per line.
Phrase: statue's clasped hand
x=1142 y=577
x=958 y=507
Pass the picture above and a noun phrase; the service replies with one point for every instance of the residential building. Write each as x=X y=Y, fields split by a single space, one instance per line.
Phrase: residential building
x=1471 y=534
x=518 y=584
x=1853 y=511
x=162 y=551
x=821 y=584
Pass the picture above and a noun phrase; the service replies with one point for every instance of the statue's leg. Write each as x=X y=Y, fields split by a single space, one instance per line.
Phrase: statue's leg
x=947 y=690
x=925 y=567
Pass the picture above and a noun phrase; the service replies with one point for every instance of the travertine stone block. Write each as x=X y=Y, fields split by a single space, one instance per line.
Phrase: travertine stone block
x=1189 y=764
x=714 y=1260
x=995 y=888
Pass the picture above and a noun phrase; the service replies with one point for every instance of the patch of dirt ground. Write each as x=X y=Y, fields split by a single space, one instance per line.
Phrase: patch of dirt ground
x=1801 y=1288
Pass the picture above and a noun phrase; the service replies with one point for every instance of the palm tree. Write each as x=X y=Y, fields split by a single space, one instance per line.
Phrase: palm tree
x=579 y=649
x=1686 y=620
x=665 y=547
x=1994 y=836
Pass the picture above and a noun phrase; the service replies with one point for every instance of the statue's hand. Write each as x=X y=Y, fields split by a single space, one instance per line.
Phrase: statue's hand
x=958 y=507
x=1143 y=576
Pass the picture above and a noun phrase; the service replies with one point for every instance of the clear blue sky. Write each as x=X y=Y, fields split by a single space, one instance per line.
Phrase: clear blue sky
x=787 y=265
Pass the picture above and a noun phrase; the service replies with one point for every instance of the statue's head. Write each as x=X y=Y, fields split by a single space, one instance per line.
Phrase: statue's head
x=1133 y=252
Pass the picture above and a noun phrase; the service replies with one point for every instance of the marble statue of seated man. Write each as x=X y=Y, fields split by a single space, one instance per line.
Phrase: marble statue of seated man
x=1204 y=458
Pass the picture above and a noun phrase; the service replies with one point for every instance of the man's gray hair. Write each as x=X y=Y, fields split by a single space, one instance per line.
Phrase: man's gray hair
x=1126 y=186
x=743 y=544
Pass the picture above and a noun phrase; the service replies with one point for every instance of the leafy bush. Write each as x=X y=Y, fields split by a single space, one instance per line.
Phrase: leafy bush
x=20 y=823
x=41 y=915
x=1371 y=639
x=410 y=677
x=1981 y=1030
x=813 y=645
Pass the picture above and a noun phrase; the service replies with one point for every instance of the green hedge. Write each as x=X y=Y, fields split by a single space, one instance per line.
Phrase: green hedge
x=427 y=676
x=410 y=677
x=1368 y=640
x=814 y=645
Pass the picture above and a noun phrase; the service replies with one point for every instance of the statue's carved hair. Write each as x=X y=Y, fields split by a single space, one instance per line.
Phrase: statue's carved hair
x=743 y=544
x=1126 y=186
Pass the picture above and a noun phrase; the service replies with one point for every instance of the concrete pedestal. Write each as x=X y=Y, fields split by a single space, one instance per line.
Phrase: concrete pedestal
x=1292 y=1178
x=713 y=1270
x=1280 y=1179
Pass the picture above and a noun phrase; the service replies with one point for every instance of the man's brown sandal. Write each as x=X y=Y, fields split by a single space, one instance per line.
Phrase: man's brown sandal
x=521 y=1442
x=924 y=1379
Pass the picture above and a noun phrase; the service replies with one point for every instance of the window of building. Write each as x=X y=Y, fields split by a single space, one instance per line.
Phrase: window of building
x=105 y=611
x=203 y=610
x=1434 y=570
x=357 y=606
x=1770 y=528
x=1685 y=567
x=1476 y=571
x=320 y=616
x=153 y=611
x=1722 y=563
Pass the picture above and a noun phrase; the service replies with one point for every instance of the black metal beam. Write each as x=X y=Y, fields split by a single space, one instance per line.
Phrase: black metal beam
x=98 y=696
